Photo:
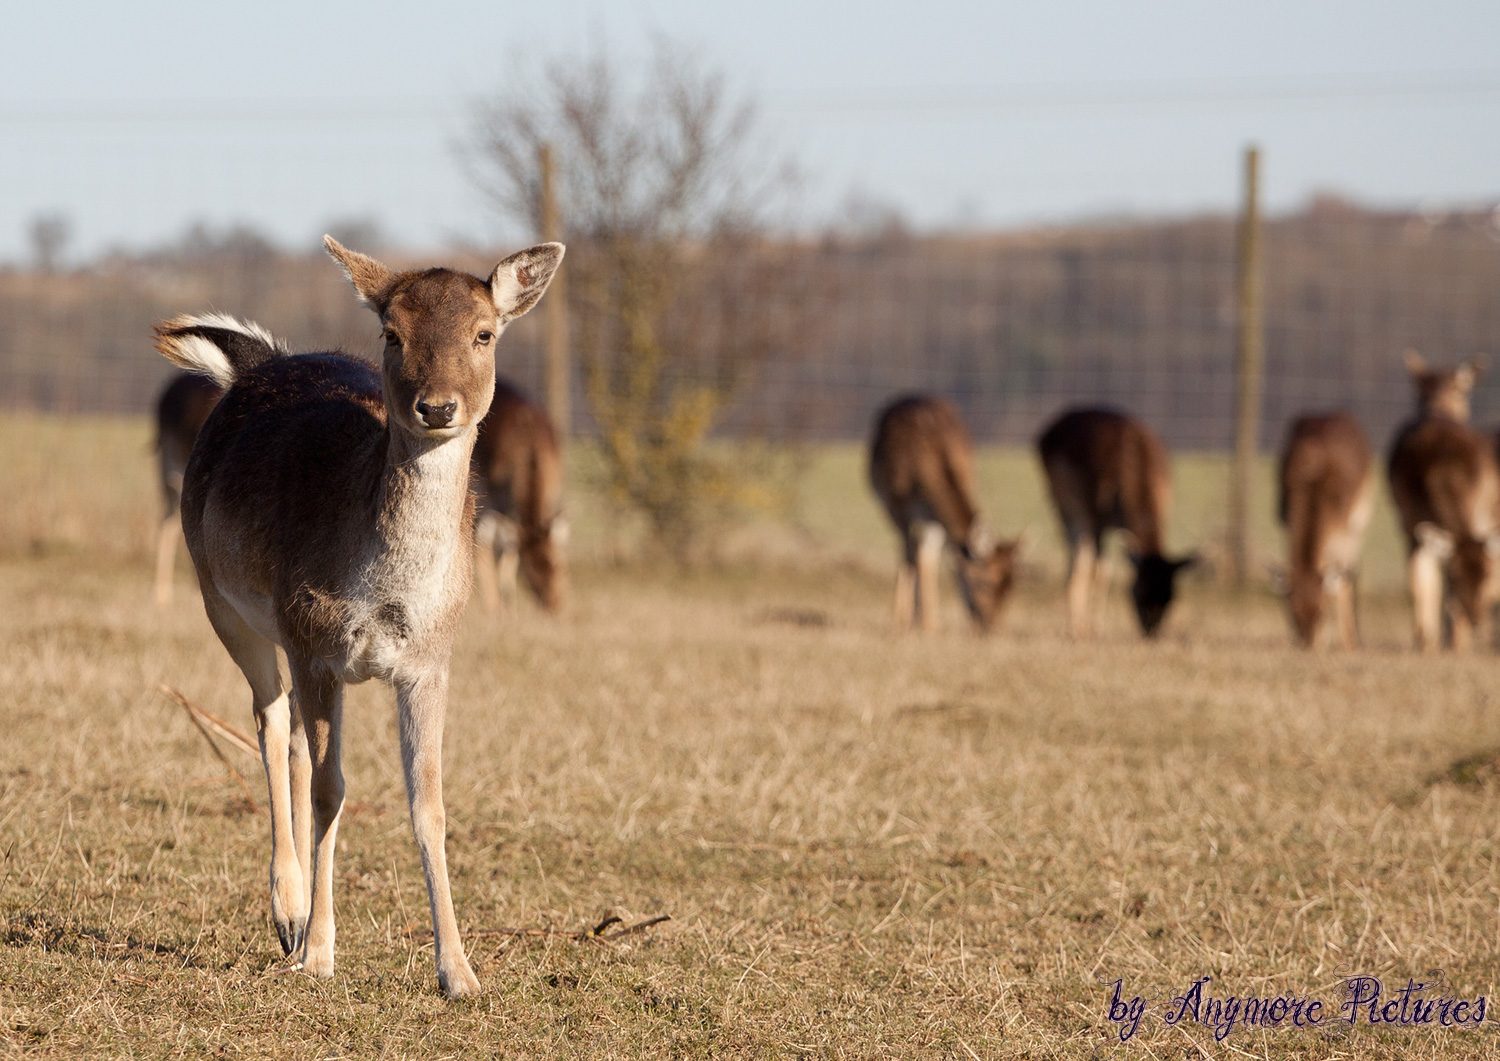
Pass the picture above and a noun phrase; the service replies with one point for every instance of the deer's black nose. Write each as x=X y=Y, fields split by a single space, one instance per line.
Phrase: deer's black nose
x=437 y=415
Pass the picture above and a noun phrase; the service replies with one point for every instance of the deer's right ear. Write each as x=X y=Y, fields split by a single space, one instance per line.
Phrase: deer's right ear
x=1416 y=364
x=1468 y=373
x=371 y=280
x=519 y=280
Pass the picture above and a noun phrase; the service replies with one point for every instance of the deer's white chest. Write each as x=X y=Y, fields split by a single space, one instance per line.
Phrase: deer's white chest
x=404 y=600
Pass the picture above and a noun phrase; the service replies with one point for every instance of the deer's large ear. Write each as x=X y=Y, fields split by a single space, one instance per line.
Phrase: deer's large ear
x=372 y=281
x=1416 y=364
x=1468 y=373
x=519 y=280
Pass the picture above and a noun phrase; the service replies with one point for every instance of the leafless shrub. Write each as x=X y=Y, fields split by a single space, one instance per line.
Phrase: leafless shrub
x=677 y=293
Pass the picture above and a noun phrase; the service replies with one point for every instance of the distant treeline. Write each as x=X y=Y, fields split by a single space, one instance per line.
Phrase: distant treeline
x=1011 y=326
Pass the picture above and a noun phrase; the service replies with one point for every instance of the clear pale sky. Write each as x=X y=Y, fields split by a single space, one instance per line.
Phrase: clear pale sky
x=138 y=119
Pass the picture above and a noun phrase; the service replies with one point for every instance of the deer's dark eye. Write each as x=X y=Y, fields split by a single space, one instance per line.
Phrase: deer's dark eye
x=392 y=338
x=484 y=337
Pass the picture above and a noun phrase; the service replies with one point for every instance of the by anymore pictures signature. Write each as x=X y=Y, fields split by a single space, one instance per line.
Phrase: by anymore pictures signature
x=1362 y=1000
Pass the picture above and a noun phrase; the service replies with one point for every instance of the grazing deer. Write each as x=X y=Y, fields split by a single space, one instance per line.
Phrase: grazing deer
x=328 y=510
x=180 y=412
x=1327 y=494
x=922 y=468
x=521 y=527
x=1107 y=470
x=1446 y=484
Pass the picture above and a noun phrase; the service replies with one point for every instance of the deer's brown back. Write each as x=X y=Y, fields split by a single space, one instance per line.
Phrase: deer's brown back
x=291 y=464
x=1107 y=470
x=922 y=465
x=517 y=459
x=1325 y=466
x=180 y=413
x=1443 y=472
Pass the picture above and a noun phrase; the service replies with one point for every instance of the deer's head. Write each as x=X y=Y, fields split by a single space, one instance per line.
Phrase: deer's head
x=1307 y=592
x=544 y=562
x=1155 y=586
x=987 y=574
x=1443 y=391
x=440 y=328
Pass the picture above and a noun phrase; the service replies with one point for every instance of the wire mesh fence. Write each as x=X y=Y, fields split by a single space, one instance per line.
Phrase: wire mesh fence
x=1011 y=326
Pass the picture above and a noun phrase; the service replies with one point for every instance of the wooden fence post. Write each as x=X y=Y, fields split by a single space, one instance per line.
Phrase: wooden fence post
x=1249 y=374
x=555 y=309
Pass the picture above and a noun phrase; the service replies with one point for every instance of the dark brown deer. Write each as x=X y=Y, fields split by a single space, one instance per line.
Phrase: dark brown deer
x=180 y=411
x=1446 y=485
x=518 y=464
x=922 y=468
x=1327 y=494
x=328 y=510
x=1108 y=470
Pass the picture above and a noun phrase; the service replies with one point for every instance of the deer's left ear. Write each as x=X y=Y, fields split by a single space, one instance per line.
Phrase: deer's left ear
x=372 y=281
x=519 y=280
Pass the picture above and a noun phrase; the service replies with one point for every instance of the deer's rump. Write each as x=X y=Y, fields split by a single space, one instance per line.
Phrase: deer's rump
x=285 y=468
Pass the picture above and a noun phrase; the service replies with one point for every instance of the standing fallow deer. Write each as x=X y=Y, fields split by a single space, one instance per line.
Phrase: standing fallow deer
x=518 y=465
x=1107 y=470
x=1327 y=494
x=922 y=468
x=1446 y=484
x=180 y=411
x=328 y=510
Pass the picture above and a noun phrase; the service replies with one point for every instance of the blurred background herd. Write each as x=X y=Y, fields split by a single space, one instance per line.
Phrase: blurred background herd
x=715 y=353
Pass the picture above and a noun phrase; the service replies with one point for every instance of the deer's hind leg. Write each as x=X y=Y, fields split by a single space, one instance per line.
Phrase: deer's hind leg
x=906 y=594
x=1425 y=574
x=1344 y=610
x=256 y=658
x=320 y=702
x=166 y=555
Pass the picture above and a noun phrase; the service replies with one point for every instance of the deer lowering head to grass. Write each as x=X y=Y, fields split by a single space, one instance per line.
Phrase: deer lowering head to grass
x=1108 y=470
x=1446 y=485
x=521 y=528
x=180 y=411
x=922 y=468
x=328 y=510
x=1327 y=493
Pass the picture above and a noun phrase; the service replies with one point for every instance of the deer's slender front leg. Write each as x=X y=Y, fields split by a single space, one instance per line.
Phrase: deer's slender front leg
x=421 y=701
x=929 y=555
x=1080 y=579
x=320 y=698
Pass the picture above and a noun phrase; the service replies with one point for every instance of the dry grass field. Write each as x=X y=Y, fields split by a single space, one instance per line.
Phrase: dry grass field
x=869 y=845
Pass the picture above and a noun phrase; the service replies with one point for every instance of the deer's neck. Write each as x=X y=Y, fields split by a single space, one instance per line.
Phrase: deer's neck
x=424 y=495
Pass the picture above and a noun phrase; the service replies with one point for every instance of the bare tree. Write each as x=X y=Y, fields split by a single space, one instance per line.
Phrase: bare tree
x=664 y=201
